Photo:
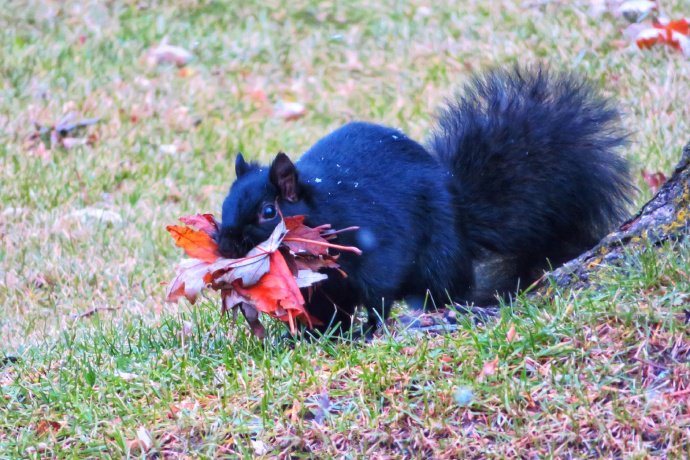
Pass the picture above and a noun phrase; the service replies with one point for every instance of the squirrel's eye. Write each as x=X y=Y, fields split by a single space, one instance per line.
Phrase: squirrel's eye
x=269 y=211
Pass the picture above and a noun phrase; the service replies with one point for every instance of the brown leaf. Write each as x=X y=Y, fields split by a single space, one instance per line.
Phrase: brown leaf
x=654 y=180
x=92 y=311
x=315 y=263
x=636 y=10
x=300 y=238
x=289 y=111
x=510 y=335
x=489 y=368
x=46 y=426
x=71 y=142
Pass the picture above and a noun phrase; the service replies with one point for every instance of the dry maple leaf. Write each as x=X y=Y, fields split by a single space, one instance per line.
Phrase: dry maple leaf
x=203 y=222
x=268 y=279
x=251 y=267
x=278 y=295
x=673 y=33
x=637 y=10
x=510 y=335
x=300 y=238
x=489 y=368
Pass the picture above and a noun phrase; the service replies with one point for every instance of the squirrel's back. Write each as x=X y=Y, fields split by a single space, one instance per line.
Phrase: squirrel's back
x=378 y=179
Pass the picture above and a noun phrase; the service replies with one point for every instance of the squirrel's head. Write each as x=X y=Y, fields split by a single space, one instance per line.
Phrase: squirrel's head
x=251 y=209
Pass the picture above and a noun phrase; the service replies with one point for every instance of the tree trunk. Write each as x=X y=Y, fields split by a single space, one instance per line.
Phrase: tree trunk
x=666 y=217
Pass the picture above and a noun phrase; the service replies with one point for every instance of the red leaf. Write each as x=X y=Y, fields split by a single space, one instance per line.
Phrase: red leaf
x=267 y=279
x=681 y=26
x=654 y=180
x=203 y=222
x=277 y=294
x=196 y=244
x=301 y=238
x=673 y=33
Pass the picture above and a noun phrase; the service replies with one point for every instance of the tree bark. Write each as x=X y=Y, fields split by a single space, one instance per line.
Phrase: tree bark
x=666 y=217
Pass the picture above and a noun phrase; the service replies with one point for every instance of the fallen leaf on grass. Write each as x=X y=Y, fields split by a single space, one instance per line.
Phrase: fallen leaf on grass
x=488 y=369
x=186 y=405
x=653 y=180
x=143 y=442
x=289 y=111
x=92 y=311
x=95 y=215
x=675 y=34
x=165 y=53
x=38 y=448
x=510 y=335
x=260 y=448
x=126 y=376
x=47 y=426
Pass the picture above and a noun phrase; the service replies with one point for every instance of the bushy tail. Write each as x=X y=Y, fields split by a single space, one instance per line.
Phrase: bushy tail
x=533 y=155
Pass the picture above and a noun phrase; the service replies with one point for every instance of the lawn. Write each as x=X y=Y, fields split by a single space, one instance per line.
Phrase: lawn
x=93 y=363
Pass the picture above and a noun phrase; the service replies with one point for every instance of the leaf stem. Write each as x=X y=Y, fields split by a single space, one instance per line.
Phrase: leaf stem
x=328 y=245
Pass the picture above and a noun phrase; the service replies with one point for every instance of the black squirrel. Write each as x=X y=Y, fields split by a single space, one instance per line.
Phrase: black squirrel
x=520 y=174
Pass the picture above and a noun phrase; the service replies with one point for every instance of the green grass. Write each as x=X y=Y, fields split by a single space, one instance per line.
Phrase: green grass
x=598 y=373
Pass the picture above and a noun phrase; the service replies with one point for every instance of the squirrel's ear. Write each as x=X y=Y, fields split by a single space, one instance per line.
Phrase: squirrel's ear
x=241 y=166
x=283 y=176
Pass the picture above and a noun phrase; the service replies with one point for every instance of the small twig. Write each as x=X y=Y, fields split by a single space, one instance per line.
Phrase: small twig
x=650 y=363
x=92 y=312
x=678 y=393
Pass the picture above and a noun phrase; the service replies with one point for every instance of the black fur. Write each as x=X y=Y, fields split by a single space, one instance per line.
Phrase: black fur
x=521 y=172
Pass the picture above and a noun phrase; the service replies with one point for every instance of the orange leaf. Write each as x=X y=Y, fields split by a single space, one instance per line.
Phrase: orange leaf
x=489 y=368
x=197 y=244
x=674 y=33
x=681 y=26
x=277 y=294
